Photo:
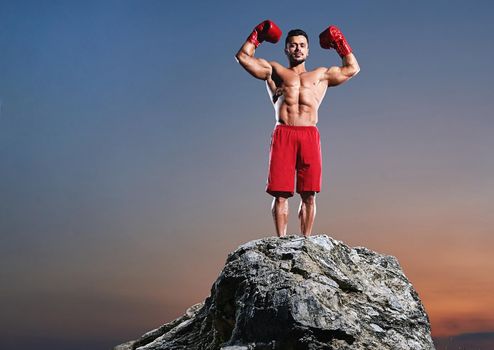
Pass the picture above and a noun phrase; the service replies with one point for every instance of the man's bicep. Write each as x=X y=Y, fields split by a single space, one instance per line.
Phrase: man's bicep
x=335 y=76
x=264 y=69
x=257 y=67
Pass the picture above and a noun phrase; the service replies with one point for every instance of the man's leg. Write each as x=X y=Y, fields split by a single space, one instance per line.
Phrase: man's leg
x=307 y=212
x=279 y=209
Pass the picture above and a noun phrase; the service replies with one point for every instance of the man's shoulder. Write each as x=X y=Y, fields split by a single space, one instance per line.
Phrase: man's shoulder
x=277 y=65
x=278 y=69
x=320 y=70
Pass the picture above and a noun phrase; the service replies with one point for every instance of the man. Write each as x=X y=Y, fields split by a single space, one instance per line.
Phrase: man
x=296 y=95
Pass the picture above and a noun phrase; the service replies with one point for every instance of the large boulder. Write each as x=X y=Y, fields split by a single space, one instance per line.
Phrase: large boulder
x=301 y=293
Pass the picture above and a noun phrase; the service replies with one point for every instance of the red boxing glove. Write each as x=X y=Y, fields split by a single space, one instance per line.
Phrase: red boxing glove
x=333 y=38
x=266 y=30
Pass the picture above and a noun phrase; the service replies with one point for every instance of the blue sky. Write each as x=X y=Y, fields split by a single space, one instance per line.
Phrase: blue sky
x=133 y=155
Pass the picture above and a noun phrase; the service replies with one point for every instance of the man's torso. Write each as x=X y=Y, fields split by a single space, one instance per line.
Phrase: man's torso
x=296 y=97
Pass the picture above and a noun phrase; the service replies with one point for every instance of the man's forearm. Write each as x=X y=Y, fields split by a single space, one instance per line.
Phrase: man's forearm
x=264 y=31
x=350 y=65
x=246 y=51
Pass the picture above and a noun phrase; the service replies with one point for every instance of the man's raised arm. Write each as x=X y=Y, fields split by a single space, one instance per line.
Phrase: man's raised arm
x=332 y=38
x=258 y=67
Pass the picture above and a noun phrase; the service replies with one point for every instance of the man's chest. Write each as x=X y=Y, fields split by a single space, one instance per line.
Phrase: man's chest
x=291 y=80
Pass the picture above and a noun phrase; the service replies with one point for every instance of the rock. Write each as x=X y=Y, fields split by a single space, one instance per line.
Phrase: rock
x=294 y=293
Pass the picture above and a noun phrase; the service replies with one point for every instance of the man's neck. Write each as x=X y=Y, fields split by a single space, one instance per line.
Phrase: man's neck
x=298 y=67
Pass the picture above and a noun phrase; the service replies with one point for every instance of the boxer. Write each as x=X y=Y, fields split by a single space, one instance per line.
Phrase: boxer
x=296 y=94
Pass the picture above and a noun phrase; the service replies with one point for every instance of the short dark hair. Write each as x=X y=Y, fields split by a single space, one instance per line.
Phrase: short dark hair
x=296 y=32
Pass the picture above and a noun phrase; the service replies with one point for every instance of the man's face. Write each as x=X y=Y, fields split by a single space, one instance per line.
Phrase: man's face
x=297 y=49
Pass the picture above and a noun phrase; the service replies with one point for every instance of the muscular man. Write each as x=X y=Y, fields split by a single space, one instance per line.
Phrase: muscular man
x=296 y=95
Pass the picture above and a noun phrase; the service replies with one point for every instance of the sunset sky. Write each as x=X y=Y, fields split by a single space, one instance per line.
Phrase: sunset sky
x=134 y=153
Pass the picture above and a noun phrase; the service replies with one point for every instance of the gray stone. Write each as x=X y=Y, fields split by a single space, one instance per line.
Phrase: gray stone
x=294 y=293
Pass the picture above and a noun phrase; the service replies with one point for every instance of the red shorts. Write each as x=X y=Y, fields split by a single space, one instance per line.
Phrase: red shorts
x=294 y=149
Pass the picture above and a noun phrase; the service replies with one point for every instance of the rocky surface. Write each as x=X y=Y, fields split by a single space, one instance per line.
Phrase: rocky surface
x=296 y=293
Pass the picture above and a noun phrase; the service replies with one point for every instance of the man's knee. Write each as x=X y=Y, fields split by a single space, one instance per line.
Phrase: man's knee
x=308 y=198
x=281 y=200
x=281 y=197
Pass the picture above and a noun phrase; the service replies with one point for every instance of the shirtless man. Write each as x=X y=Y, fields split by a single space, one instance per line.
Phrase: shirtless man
x=296 y=95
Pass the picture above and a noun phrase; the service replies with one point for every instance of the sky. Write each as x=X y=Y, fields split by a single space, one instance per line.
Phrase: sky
x=134 y=153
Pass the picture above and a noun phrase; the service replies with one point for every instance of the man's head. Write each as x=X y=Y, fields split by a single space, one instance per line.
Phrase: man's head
x=297 y=46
